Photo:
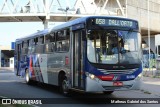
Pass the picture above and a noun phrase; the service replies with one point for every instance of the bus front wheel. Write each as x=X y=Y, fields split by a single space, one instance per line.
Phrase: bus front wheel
x=64 y=87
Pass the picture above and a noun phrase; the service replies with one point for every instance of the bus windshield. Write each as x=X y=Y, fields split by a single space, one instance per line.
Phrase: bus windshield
x=114 y=47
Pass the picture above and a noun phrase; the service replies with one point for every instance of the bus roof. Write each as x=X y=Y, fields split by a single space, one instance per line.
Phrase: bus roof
x=42 y=32
x=83 y=19
x=67 y=24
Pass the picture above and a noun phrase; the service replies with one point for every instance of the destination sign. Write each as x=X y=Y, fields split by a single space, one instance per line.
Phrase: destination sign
x=116 y=22
x=120 y=23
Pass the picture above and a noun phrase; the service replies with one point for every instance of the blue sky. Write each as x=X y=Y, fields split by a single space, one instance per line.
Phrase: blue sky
x=10 y=31
x=13 y=30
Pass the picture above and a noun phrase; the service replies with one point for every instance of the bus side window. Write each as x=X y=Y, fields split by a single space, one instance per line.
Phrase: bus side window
x=50 y=43
x=40 y=45
x=31 y=48
x=35 y=41
x=62 y=41
x=40 y=40
x=25 y=47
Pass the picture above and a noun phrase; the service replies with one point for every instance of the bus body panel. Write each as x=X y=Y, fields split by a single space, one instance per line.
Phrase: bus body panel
x=35 y=70
x=55 y=64
x=100 y=86
x=104 y=81
x=46 y=67
x=43 y=66
x=38 y=67
x=128 y=74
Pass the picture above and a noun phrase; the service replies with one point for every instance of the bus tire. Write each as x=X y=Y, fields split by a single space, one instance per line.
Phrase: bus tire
x=27 y=78
x=108 y=92
x=64 y=86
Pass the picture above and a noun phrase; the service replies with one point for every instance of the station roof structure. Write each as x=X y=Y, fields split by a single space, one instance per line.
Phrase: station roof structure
x=64 y=10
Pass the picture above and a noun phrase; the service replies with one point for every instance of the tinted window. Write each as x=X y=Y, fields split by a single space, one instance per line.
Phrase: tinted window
x=24 y=47
x=40 y=44
x=62 y=40
x=31 y=48
x=50 y=43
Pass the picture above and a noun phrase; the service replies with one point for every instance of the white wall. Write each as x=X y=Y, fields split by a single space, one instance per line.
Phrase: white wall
x=11 y=62
x=157 y=39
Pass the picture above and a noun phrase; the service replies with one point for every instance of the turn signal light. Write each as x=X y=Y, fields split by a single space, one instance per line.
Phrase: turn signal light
x=66 y=60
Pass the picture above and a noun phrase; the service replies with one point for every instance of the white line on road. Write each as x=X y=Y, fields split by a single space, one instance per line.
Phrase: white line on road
x=2 y=97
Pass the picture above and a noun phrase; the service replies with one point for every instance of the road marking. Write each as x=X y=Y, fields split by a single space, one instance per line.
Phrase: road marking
x=33 y=105
x=2 y=97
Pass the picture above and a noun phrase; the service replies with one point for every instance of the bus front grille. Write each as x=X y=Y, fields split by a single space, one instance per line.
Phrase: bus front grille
x=117 y=87
x=128 y=71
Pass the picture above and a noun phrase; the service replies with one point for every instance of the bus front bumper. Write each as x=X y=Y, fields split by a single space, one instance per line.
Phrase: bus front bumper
x=96 y=85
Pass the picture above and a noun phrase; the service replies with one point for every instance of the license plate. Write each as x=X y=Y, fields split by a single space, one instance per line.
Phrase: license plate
x=117 y=83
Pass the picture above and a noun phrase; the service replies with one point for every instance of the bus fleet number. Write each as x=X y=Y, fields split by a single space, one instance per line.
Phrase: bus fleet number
x=100 y=21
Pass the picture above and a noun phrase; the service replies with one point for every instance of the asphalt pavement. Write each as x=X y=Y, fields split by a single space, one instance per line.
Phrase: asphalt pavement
x=17 y=88
x=150 y=84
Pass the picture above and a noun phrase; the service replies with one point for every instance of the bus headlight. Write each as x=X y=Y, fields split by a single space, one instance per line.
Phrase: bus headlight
x=140 y=76
x=91 y=76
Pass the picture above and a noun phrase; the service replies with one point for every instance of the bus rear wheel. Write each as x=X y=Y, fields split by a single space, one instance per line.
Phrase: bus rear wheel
x=27 y=78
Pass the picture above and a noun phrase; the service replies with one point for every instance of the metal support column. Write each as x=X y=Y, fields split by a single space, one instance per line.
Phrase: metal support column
x=149 y=47
x=126 y=11
x=0 y=59
x=46 y=21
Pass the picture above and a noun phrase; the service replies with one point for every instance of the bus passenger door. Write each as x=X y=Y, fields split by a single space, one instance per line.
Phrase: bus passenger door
x=77 y=60
x=18 y=61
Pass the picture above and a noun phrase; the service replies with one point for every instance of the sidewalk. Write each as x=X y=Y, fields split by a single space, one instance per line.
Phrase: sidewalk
x=153 y=72
x=151 y=81
x=6 y=68
x=151 y=85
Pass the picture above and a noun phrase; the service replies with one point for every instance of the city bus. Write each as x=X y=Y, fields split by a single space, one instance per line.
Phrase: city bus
x=97 y=54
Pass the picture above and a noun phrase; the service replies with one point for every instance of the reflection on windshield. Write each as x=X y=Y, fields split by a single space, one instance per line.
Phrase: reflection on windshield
x=113 y=47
